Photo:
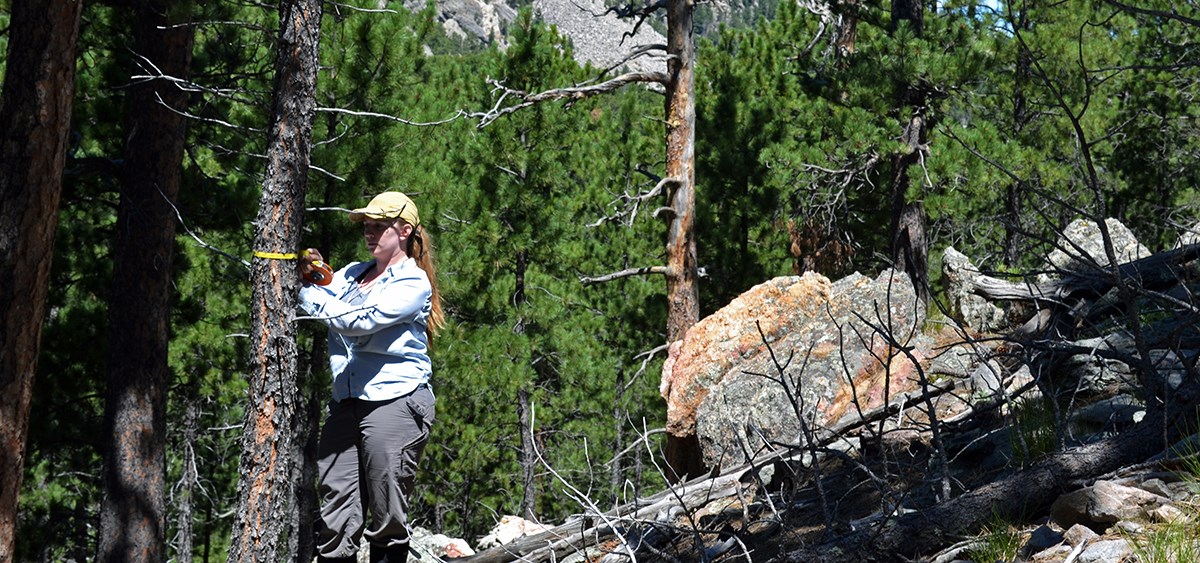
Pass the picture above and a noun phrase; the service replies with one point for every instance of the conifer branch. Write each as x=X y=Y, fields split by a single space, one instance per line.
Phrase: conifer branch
x=1171 y=14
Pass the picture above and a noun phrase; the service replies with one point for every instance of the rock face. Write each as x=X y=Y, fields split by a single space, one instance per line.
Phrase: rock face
x=820 y=350
x=601 y=39
x=483 y=20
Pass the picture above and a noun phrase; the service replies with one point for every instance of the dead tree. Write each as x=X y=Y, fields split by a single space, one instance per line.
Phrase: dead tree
x=35 y=118
x=677 y=187
x=1019 y=495
x=264 y=512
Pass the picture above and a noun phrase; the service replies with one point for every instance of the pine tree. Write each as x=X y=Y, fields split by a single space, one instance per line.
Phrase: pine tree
x=35 y=113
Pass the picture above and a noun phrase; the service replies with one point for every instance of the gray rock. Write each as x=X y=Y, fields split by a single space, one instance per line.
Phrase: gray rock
x=973 y=310
x=1041 y=539
x=601 y=38
x=1102 y=505
x=1081 y=248
x=1106 y=551
x=1113 y=413
x=1078 y=534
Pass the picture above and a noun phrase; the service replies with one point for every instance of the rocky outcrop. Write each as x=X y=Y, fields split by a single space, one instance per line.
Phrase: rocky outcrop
x=485 y=21
x=791 y=348
x=973 y=310
x=600 y=37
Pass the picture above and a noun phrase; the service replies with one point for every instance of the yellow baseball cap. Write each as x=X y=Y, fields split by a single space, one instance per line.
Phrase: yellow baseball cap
x=388 y=205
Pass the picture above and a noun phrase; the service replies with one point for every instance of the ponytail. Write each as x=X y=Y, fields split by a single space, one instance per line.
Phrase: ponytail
x=420 y=248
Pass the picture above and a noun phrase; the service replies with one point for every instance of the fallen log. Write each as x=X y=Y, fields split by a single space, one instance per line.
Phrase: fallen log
x=1022 y=495
x=596 y=529
x=1157 y=271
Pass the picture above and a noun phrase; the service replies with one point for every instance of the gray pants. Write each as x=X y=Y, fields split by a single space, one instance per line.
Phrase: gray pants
x=368 y=457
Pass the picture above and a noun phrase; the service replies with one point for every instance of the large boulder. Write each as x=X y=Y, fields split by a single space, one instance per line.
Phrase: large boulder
x=798 y=343
x=1080 y=248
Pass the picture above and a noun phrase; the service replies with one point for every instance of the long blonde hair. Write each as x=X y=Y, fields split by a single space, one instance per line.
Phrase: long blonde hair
x=420 y=248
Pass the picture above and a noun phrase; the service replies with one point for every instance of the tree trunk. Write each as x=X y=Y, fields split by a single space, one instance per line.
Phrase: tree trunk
x=528 y=456
x=846 y=31
x=265 y=503
x=683 y=302
x=1015 y=191
x=133 y=513
x=313 y=397
x=184 y=536
x=35 y=118
x=909 y=247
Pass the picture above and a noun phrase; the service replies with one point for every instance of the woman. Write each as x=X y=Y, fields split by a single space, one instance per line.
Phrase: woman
x=380 y=315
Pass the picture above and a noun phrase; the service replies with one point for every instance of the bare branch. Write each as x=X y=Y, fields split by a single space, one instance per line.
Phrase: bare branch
x=642 y=51
x=571 y=93
x=642 y=13
x=340 y=6
x=636 y=200
x=208 y=119
x=392 y=117
x=626 y=274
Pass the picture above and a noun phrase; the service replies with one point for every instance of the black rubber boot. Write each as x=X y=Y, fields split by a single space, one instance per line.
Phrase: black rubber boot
x=392 y=554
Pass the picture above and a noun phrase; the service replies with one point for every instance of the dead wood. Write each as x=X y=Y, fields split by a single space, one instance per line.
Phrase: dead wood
x=1158 y=271
x=1021 y=495
x=634 y=521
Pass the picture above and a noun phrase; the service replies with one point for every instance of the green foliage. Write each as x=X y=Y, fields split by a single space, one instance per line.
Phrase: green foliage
x=795 y=147
x=1034 y=431
x=1167 y=543
x=5 y=15
x=1179 y=540
x=522 y=190
x=999 y=541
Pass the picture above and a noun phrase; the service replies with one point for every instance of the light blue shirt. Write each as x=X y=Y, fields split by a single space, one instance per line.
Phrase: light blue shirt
x=378 y=339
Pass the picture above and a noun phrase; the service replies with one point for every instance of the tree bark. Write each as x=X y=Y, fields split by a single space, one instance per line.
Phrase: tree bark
x=528 y=456
x=683 y=301
x=909 y=247
x=1015 y=192
x=265 y=502
x=35 y=119
x=133 y=512
x=185 y=536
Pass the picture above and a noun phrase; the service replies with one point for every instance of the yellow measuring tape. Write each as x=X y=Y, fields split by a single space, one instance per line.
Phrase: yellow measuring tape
x=275 y=255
